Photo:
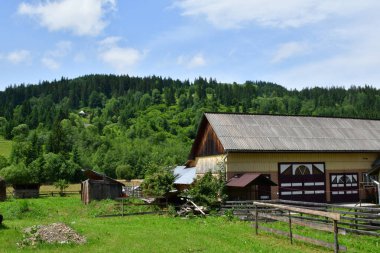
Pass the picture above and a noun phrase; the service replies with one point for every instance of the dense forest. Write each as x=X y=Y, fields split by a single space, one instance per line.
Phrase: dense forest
x=128 y=127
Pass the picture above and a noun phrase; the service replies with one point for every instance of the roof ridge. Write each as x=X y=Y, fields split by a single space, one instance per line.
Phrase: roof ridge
x=289 y=115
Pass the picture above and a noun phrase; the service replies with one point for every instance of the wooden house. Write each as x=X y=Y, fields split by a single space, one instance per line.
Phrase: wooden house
x=317 y=159
x=24 y=191
x=98 y=187
x=3 y=190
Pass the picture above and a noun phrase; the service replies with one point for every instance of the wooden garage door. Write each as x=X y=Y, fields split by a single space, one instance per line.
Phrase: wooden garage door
x=302 y=182
x=344 y=187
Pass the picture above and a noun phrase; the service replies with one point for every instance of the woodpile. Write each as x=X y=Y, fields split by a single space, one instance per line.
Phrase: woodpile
x=190 y=208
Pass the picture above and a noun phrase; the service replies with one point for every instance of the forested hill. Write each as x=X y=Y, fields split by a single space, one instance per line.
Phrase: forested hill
x=133 y=125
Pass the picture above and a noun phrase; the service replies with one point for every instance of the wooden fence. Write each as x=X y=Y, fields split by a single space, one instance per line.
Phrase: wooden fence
x=285 y=213
x=57 y=193
x=354 y=219
x=338 y=219
x=123 y=202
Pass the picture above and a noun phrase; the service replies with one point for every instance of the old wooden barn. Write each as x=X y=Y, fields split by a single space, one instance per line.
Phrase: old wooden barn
x=3 y=189
x=317 y=159
x=24 y=191
x=98 y=187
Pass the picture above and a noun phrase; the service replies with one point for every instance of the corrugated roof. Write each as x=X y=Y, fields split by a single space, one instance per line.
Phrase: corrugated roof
x=184 y=175
x=249 y=132
x=249 y=178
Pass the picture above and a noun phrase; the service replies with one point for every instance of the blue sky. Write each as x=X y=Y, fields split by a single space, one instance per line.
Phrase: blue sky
x=295 y=43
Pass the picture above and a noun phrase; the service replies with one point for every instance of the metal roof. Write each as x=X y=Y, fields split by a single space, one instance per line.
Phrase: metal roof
x=91 y=174
x=184 y=175
x=249 y=178
x=249 y=132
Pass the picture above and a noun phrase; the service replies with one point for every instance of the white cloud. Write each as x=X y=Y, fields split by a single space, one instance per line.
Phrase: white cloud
x=61 y=49
x=122 y=59
x=50 y=63
x=52 y=58
x=345 y=55
x=289 y=50
x=110 y=41
x=84 y=17
x=19 y=56
x=194 y=61
x=287 y=13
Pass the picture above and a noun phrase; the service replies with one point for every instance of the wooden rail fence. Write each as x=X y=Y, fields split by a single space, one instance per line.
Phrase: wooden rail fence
x=337 y=219
x=289 y=211
x=353 y=219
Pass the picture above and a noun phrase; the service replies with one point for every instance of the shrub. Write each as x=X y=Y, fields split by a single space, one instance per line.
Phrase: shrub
x=208 y=189
x=19 y=174
x=159 y=183
x=3 y=162
x=61 y=184
x=124 y=172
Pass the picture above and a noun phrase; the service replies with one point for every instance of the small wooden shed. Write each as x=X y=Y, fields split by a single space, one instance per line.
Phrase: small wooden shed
x=24 y=191
x=98 y=187
x=3 y=190
x=249 y=186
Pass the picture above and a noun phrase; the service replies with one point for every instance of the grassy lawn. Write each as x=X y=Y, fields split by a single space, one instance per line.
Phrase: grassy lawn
x=5 y=147
x=150 y=233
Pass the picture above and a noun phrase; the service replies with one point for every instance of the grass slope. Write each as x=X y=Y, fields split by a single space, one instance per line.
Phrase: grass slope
x=5 y=147
x=150 y=233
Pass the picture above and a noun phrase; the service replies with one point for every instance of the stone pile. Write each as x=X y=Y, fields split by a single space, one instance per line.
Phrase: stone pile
x=58 y=233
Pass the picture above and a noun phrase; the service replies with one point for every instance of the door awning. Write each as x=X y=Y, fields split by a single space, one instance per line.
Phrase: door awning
x=249 y=179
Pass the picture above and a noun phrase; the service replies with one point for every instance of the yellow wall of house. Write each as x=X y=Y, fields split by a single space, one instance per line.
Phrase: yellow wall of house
x=208 y=163
x=268 y=162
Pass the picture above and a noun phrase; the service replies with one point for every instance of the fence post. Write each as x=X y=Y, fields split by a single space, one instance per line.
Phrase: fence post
x=256 y=220
x=290 y=229
x=336 y=243
x=122 y=207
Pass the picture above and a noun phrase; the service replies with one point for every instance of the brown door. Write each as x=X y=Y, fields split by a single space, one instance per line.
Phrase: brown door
x=264 y=191
x=302 y=182
x=344 y=187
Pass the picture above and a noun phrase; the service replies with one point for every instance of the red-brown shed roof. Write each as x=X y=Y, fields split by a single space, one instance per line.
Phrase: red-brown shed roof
x=249 y=178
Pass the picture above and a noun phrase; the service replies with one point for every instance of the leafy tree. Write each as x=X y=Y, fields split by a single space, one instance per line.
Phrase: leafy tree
x=3 y=162
x=208 y=189
x=61 y=184
x=20 y=132
x=158 y=183
x=3 y=125
x=19 y=174
x=124 y=172
x=21 y=152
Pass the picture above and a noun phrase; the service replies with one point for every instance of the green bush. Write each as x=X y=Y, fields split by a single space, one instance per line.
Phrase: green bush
x=208 y=189
x=19 y=174
x=124 y=172
x=3 y=162
x=61 y=184
x=159 y=183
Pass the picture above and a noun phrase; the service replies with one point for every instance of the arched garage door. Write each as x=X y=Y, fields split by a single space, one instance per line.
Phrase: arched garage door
x=302 y=182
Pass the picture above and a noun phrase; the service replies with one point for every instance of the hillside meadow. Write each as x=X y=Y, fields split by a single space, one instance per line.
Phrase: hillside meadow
x=5 y=147
x=150 y=233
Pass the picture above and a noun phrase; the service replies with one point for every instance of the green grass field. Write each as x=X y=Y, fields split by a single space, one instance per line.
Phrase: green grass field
x=149 y=233
x=5 y=147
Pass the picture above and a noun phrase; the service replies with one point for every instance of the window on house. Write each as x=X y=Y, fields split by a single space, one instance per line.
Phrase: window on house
x=367 y=179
